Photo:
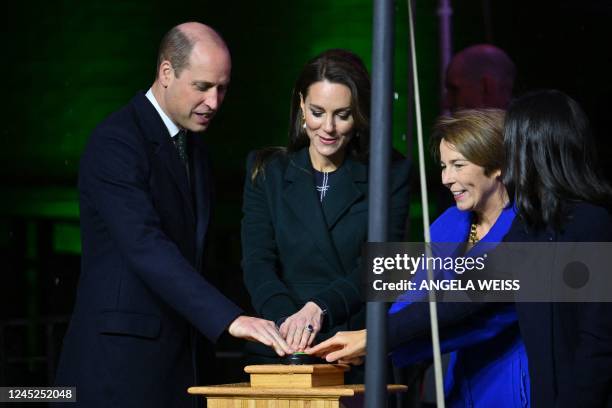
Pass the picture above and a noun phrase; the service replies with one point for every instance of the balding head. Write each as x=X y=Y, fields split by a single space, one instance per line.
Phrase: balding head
x=178 y=43
x=480 y=76
x=193 y=73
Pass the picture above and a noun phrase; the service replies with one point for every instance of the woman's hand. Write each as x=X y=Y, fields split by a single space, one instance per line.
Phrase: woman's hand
x=346 y=347
x=300 y=329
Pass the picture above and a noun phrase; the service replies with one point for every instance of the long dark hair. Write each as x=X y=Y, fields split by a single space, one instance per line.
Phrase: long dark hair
x=336 y=66
x=550 y=158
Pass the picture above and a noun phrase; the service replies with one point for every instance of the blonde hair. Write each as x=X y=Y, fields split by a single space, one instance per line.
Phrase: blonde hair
x=475 y=133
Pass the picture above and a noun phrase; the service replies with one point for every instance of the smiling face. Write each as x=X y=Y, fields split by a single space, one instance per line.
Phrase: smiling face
x=329 y=123
x=471 y=188
x=192 y=98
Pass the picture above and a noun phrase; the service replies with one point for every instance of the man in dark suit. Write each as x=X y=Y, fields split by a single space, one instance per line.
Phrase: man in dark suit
x=144 y=203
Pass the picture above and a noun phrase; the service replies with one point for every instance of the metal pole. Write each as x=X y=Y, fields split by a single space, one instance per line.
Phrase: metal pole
x=380 y=151
x=433 y=309
x=445 y=12
x=410 y=102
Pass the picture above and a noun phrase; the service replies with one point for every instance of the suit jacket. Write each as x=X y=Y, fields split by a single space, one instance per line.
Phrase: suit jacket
x=488 y=365
x=130 y=341
x=569 y=345
x=297 y=249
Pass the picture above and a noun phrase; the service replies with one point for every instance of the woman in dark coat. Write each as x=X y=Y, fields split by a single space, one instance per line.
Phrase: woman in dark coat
x=560 y=197
x=306 y=207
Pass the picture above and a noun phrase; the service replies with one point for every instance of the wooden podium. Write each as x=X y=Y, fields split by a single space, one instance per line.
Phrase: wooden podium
x=288 y=386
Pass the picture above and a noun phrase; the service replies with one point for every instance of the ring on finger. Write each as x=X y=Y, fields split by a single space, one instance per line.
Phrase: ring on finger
x=309 y=328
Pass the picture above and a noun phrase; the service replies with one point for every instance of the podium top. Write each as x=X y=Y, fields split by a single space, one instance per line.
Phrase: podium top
x=296 y=369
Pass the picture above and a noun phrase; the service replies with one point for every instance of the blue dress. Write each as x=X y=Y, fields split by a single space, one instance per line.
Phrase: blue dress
x=488 y=366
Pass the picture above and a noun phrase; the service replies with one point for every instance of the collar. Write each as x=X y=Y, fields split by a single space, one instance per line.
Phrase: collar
x=172 y=128
x=299 y=164
x=453 y=226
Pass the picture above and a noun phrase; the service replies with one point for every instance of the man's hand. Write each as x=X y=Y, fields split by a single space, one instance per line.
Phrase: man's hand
x=300 y=329
x=263 y=331
x=346 y=347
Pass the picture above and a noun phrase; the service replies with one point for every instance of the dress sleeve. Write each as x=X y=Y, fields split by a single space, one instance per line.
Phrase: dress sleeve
x=461 y=325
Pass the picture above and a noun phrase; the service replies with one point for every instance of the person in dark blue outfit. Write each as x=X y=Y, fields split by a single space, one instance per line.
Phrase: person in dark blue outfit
x=552 y=172
x=488 y=363
x=144 y=187
x=306 y=207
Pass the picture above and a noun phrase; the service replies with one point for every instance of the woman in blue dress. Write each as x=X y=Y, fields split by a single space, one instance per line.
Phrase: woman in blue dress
x=488 y=364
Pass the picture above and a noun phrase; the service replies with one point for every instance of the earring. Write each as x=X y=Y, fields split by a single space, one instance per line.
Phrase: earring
x=303 y=120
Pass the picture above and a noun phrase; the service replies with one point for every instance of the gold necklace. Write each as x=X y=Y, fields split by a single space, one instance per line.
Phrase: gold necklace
x=473 y=237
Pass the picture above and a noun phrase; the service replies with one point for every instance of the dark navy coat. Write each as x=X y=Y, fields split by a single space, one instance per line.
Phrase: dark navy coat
x=569 y=345
x=141 y=295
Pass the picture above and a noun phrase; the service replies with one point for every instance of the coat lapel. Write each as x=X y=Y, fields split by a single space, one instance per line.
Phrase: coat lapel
x=156 y=132
x=301 y=197
x=344 y=191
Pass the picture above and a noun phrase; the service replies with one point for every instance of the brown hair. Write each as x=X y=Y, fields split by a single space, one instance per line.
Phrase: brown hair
x=337 y=66
x=475 y=133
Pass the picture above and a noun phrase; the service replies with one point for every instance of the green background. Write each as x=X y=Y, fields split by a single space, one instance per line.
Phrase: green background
x=68 y=64
x=72 y=63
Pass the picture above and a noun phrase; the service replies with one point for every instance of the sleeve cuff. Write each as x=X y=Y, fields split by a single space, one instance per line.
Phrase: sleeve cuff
x=324 y=315
x=335 y=306
x=221 y=323
x=277 y=307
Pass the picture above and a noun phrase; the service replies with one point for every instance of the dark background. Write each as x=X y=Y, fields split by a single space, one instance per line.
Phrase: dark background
x=68 y=64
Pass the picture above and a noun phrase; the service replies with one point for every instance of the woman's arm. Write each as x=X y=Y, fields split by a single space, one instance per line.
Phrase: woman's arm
x=269 y=295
